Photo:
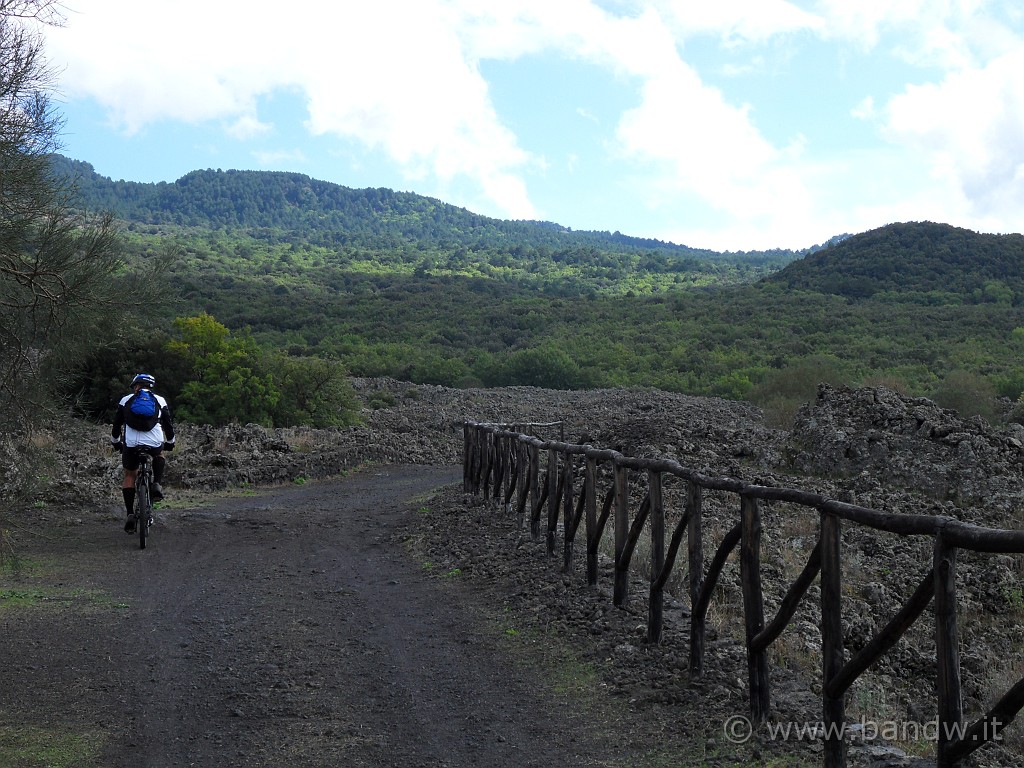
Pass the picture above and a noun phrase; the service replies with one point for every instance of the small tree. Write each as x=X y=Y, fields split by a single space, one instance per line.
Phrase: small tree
x=314 y=392
x=545 y=366
x=228 y=384
x=233 y=379
x=61 y=270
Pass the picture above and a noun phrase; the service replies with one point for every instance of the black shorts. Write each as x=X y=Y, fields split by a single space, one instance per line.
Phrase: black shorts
x=130 y=456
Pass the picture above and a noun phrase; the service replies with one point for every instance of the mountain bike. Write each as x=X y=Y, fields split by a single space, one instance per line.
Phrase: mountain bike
x=142 y=515
x=143 y=498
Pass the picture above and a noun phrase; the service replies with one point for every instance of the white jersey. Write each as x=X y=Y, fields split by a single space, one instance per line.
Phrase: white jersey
x=154 y=438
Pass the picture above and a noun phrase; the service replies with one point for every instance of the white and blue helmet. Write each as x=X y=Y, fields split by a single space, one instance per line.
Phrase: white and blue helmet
x=144 y=380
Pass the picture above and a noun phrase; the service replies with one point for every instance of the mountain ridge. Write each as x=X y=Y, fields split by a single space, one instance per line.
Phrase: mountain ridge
x=903 y=257
x=330 y=213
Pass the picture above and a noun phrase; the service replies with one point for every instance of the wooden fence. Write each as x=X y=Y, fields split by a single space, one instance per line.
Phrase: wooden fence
x=501 y=462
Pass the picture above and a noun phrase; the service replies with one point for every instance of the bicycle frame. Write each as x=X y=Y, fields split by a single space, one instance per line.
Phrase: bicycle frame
x=143 y=499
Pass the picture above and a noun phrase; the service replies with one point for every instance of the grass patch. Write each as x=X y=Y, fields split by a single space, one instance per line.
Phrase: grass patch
x=28 y=747
x=574 y=677
x=12 y=598
x=16 y=566
x=16 y=598
x=241 y=491
x=564 y=671
x=10 y=560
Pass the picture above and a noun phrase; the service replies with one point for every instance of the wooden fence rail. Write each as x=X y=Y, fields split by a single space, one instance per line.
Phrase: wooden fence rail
x=501 y=461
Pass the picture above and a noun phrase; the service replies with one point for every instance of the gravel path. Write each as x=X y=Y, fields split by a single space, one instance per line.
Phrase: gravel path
x=285 y=628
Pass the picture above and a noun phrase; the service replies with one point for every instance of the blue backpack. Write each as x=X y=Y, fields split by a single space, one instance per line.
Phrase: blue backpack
x=142 y=411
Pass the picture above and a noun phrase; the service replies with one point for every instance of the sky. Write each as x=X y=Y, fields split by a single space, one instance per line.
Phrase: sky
x=722 y=124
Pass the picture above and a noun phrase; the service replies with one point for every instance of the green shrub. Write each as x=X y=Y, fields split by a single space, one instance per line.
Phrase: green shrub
x=382 y=400
x=969 y=394
x=314 y=392
x=784 y=390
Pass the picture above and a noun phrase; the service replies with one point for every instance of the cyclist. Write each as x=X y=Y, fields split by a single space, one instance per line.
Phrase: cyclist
x=142 y=424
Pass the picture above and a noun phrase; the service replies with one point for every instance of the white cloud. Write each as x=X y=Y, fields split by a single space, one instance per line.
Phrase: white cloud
x=710 y=147
x=247 y=127
x=409 y=89
x=281 y=158
x=403 y=77
x=688 y=139
x=865 y=110
x=737 y=21
x=865 y=20
x=972 y=127
x=147 y=62
x=695 y=145
x=945 y=34
x=392 y=75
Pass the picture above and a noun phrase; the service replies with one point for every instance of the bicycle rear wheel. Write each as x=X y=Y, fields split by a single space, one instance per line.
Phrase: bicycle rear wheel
x=145 y=507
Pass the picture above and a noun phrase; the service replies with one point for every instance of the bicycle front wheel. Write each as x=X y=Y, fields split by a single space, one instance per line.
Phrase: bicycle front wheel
x=145 y=511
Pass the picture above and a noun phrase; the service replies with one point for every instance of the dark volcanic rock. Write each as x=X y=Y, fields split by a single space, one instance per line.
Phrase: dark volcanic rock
x=911 y=444
x=869 y=446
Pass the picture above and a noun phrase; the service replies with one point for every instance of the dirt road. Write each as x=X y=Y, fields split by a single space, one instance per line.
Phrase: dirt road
x=286 y=628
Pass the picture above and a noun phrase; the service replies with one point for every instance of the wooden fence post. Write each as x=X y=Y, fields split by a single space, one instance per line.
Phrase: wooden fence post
x=947 y=652
x=512 y=483
x=552 y=498
x=695 y=545
x=508 y=466
x=522 y=483
x=515 y=474
x=590 y=488
x=655 y=604
x=467 y=442
x=621 y=589
x=494 y=466
x=832 y=652
x=535 y=493
x=499 y=465
x=753 y=607
x=478 y=459
x=467 y=456
x=484 y=464
x=567 y=515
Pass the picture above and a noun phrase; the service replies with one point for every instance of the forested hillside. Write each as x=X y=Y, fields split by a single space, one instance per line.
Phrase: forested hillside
x=920 y=261
x=337 y=216
x=396 y=284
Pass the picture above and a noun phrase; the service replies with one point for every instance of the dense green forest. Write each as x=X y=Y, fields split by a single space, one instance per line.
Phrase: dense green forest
x=284 y=207
x=921 y=262
x=398 y=284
